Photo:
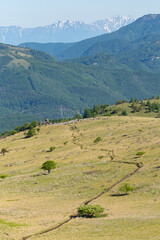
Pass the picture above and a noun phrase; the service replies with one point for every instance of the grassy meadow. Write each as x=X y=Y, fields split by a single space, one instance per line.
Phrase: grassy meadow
x=32 y=202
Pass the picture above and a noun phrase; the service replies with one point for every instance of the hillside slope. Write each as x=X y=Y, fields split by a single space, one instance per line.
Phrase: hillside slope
x=35 y=86
x=32 y=202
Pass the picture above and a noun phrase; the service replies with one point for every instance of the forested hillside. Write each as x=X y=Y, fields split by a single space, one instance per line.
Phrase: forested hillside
x=112 y=67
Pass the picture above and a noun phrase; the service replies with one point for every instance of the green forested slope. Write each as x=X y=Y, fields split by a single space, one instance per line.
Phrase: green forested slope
x=33 y=85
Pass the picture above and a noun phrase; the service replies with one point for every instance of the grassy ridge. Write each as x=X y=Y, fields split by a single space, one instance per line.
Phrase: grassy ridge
x=37 y=202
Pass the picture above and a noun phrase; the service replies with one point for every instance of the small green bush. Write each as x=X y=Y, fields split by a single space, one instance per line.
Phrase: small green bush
x=51 y=149
x=3 y=176
x=65 y=143
x=139 y=154
x=98 y=139
x=139 y=164
x=124 y=113
x=90 y=210
x=3 y=151
x=100 y=157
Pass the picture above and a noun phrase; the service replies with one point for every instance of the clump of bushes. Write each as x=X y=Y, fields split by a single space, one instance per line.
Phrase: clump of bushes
x=26 y=126
x=90 y=211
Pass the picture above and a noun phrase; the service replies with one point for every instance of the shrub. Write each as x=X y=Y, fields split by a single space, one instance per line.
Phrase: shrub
x=126 y=188
x=48 y=165
x=90 y=210
x=3 y=176
x=13 y=132
x=31 y=132
x=51 y=149
x=100 y=157
x=98 y=139
x=139 y=164
x=124 y=113
x=3 y=151
x=65 y=142
x=120 y=102
x=139 y=154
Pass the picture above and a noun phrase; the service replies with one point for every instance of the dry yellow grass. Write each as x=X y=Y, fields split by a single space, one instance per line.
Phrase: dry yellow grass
x=32 y=202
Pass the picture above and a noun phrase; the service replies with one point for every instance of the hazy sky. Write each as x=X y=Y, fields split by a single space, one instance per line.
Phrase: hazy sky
x=31 y=13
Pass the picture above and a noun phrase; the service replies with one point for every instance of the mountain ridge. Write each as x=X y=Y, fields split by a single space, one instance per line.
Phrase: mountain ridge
x=62 y=31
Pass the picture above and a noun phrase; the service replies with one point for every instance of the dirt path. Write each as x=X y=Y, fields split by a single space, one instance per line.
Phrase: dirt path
x=86 y=203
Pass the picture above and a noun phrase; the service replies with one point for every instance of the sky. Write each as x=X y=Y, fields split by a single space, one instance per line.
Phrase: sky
x=32 y=13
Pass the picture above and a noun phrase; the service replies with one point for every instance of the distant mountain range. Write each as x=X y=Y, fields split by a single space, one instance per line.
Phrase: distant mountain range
x=62 y=31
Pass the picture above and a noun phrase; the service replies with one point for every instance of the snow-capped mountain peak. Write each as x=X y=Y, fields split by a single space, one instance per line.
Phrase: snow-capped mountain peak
x=62 y=31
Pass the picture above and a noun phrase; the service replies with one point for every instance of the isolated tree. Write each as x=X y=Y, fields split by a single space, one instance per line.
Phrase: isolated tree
x=131 y=101
x=126 y=188
x=48 y=165
x=78 y=116
x=87 y=113
x=3 y=151
x=90 y=210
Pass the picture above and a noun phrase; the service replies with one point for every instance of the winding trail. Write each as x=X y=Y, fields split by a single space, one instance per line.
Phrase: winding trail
x=87 y=202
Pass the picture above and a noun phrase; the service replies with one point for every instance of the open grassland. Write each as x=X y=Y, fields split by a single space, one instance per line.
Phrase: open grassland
x=32 y=202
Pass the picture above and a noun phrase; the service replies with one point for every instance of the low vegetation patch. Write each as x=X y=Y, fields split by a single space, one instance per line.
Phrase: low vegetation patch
x=140 y=154
x=98 y=139
x=3 y=151
x=51 y=149
x=90 y=211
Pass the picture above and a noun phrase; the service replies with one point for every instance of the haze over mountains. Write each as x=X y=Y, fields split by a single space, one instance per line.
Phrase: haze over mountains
x=103 y=69
x=62 y=31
